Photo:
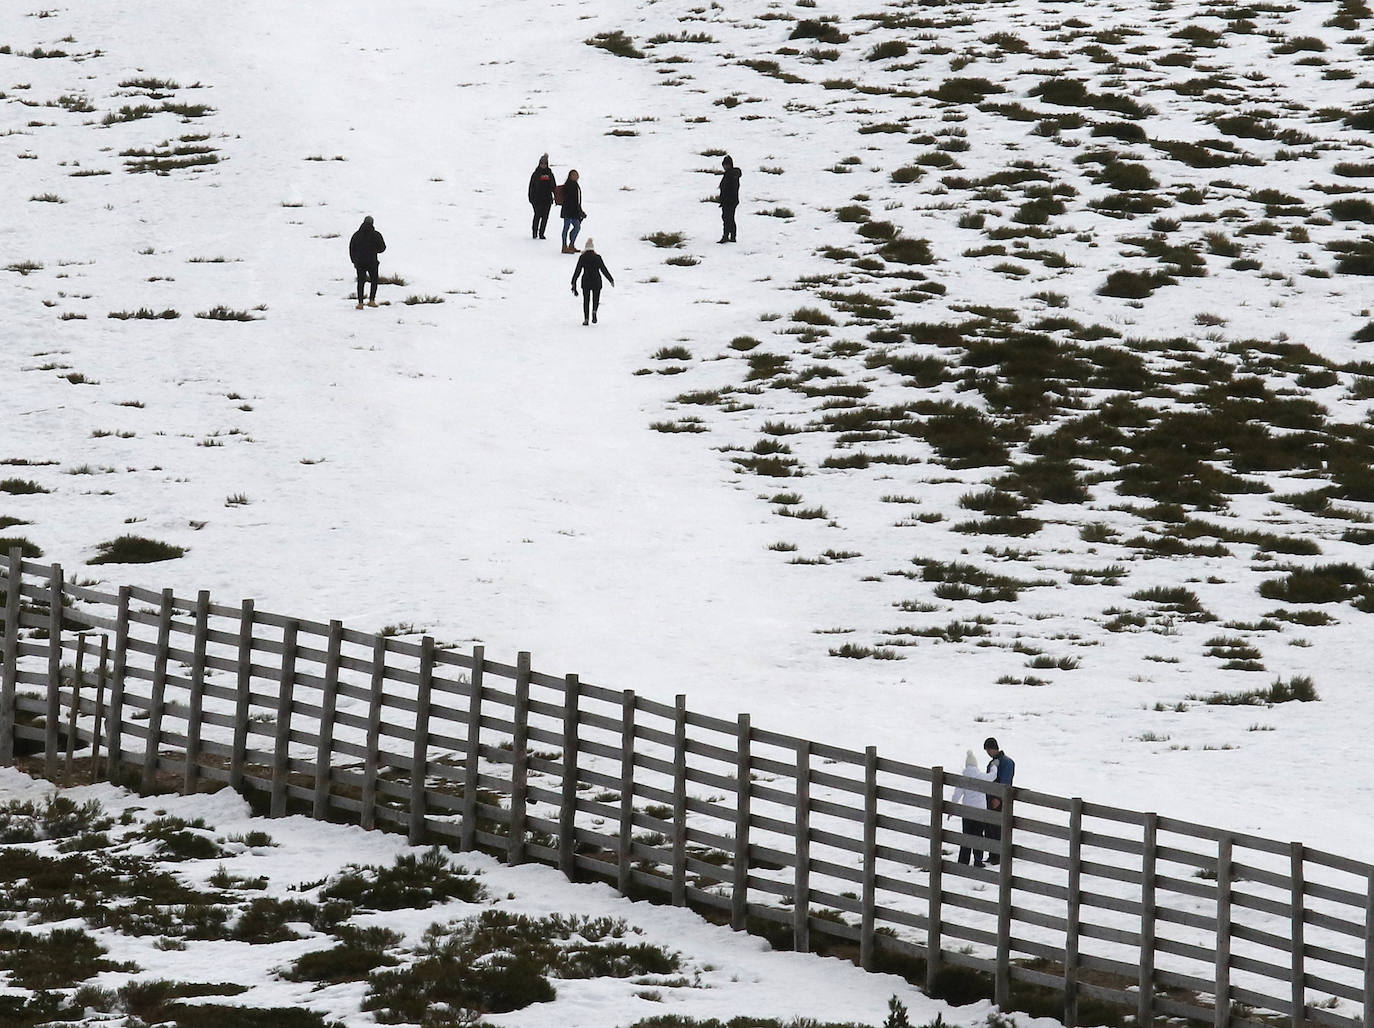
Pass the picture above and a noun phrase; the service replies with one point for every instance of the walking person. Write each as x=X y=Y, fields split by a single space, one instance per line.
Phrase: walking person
x=364 y=249
x=591 y=267
x=570 y=207
x=971 y=796
x=542 y=185
x=729 y=199
x=1002 y=770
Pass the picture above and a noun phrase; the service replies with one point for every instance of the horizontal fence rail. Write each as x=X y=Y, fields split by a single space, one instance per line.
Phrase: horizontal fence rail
x=815 y=846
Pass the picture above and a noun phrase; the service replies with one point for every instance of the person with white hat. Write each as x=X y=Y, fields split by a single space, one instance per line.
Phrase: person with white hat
x=591 y=267
x=971 y=796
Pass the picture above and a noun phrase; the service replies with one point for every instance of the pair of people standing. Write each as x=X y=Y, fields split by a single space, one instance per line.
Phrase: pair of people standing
x=544 y=192
x=1000 y=770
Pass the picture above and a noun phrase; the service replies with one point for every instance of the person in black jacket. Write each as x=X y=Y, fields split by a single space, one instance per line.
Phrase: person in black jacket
x=591 y=267
x=729 y=199
x=542 y=184
x=363 y=249
x=570 y=207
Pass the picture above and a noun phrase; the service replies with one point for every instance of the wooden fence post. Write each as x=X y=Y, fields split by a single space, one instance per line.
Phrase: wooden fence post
x=1002 y=982
x=1221 y=1012
x=1368 y=1012
x=74 y=709
x=419 y=761
x=243 y=683
x=801 y=871
x=936 y=876
x=627 y=791
x=1296 y=936
x=1145 y=1015
x=567 y=814
x=54 y=715
x=367 y=814
x=329 y=702
x=195 y=714
x=14 y=584
x=114 y=722
x=99 y=707
x=680 y=801
x=739 y=892
x=158 y=693
x=520 y=756
x=467 y=839
x=281 y=752
x=868 y=899
x=1073 y=906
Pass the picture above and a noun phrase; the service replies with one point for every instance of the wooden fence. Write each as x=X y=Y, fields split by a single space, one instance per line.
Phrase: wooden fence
x=1161 y=916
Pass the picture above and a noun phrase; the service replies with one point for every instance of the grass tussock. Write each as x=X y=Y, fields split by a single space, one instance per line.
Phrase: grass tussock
x=135 y=549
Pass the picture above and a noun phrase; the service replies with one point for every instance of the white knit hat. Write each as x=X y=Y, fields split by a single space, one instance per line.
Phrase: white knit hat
x=970 y=760
x=590 y=244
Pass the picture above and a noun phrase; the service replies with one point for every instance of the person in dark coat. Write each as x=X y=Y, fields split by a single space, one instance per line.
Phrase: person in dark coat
x=542 y=184
x=729 y=199
x=570 y=207
x=364 y=249
x=1002 y=769
x=591 y=267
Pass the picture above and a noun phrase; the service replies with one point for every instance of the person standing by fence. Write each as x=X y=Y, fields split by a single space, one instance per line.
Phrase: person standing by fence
x=570 y=207
x=591 y=267
x=364 y=249
x=1001 y=770
x=542 y=185
x=969 y=796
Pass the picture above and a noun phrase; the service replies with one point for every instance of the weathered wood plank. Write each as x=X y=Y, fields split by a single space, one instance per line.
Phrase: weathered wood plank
x=195 y=715
x=156 y=701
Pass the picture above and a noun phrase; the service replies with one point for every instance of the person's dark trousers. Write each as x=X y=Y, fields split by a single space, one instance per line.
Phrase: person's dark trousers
x=591 y=301
x=541 y=219
x=993 y=831
x=975 y=828
x=727 y=218
x=367 y=273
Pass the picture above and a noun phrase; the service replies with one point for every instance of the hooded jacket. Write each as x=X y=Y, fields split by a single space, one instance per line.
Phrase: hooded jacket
x=729 y=187
x=366 y=244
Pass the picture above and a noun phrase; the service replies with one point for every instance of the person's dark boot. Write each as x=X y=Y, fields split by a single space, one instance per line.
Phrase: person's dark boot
x=593 y=317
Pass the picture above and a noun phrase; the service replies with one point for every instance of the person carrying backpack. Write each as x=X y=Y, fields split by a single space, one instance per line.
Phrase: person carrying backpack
x=570 y=207
x=364 y=249
x=543 y=185
x=591 y=267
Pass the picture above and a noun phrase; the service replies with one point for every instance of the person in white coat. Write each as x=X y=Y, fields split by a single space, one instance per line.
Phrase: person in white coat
x=971 y=796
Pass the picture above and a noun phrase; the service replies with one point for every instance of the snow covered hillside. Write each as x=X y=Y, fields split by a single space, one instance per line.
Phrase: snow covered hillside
x=1030 y=403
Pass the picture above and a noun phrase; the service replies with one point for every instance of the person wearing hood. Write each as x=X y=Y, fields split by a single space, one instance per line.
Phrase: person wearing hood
x=591 y=267
x=364 y=249
x=542 y=185
x=570 y=207
x=729 y=198
x=971 y=796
